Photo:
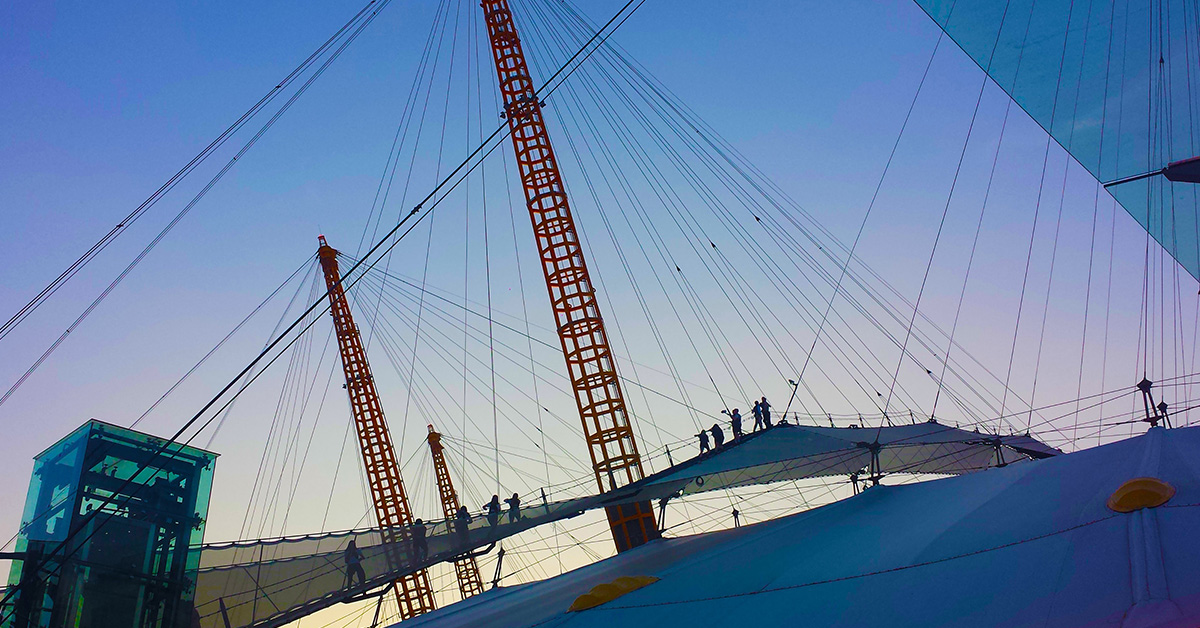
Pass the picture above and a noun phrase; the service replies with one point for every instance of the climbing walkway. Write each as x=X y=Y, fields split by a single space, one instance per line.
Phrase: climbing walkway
x=271 y=582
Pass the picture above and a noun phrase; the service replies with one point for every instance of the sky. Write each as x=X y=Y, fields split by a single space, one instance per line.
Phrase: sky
x=106 y=103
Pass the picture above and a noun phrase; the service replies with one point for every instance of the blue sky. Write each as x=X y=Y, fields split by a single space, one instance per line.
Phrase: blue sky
x=105 y=102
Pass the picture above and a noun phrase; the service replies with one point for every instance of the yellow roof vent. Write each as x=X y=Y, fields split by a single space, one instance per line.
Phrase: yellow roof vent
x=1140 y=493
x=609 y=591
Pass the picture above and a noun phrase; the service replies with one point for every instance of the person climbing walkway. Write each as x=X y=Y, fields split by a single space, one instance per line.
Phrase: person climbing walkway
x=420 y=545
x=514 y=508
x=462 y=523
x=718 y=435
x=757 y=411
x=493 y=511
x=703 y=435
x=735 y=423
x=353 y=558
x=766 y=412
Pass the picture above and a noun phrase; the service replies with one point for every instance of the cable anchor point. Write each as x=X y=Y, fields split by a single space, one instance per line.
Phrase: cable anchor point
x=1154 y=413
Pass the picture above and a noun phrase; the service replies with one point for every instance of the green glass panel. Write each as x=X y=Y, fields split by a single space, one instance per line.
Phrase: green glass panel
x=131 y=510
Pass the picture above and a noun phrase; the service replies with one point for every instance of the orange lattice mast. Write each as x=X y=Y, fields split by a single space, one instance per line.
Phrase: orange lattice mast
x=467 y=570
x=413 y=591
x=606 y=423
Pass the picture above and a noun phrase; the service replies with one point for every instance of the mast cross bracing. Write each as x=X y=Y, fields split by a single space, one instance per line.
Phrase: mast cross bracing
x=414 y=593
x=465 y=568
x=606 y=425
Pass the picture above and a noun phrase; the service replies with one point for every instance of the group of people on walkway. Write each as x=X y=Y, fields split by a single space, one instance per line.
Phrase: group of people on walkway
x=460 y=525
x=762 y=421
x=492 y=509
x=491 y=512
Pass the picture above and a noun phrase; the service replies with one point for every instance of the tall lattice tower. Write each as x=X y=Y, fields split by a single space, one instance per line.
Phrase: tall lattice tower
x=467 y=570
x=606 y=424
x=413 y=592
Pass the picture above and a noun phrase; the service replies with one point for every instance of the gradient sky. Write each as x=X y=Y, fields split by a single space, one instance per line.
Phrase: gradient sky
x=104 y=102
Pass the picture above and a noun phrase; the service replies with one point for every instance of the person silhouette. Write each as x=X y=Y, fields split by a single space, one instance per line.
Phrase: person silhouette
x=419 y=543
x=514 y=508
x=353 y=558
x=735 y=423
x=703 y=435
x=758 y=416
x=462 y=523
x=718 y=435
x=493 y=510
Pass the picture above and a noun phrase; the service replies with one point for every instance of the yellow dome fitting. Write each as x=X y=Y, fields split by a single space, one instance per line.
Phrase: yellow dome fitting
x=1140 y=493
x=609 y=591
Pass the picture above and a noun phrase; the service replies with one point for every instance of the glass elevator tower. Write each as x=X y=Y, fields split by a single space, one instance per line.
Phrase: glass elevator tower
x=111 y=533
